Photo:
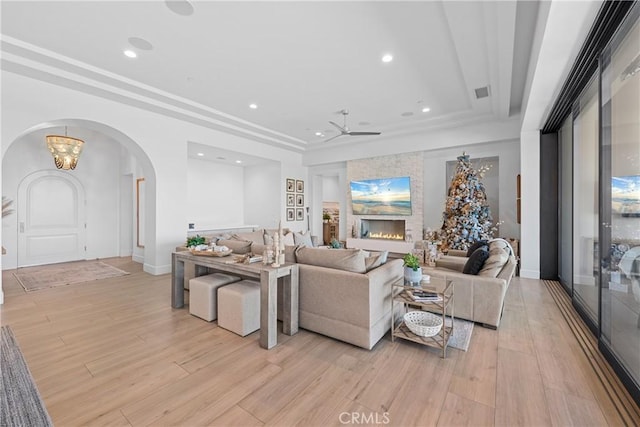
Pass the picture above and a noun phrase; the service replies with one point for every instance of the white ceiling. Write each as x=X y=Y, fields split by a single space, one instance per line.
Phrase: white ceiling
x=299 y=61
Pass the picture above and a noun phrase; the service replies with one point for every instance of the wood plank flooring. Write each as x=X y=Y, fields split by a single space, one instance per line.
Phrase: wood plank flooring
x=113 y=352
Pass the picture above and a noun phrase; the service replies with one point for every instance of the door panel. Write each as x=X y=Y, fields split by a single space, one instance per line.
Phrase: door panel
x=51 y=225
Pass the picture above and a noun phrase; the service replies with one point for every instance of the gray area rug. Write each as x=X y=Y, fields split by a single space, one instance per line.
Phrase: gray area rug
x=20 y=402
x=462 y=330
x=67 y=273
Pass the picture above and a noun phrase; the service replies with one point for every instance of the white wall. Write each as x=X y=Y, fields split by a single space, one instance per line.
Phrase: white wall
x=213 y=191
x=436 y=182
x=331 y=191
x=99 y=173
x=262 y=188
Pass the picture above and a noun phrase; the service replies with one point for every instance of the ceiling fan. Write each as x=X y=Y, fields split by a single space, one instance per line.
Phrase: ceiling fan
x=344 y=130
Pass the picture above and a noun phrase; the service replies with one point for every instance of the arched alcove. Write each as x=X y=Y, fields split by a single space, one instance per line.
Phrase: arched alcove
x=38 y=158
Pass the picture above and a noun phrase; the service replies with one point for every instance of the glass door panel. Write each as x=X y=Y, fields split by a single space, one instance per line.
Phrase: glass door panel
x=585 y=202
x=621 y=196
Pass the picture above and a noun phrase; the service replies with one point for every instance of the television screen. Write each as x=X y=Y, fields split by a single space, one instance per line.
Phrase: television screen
x=384 y=196
x=625 y=195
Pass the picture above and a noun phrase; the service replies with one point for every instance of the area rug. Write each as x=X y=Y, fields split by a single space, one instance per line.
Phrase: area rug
x=52 y=275
x=462 y=330
x=20 y=402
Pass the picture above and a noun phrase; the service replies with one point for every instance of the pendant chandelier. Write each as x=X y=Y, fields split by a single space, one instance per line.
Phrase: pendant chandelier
x=65 y=150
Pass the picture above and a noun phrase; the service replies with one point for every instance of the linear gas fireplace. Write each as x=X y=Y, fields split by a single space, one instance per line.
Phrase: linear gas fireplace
x=385 y=229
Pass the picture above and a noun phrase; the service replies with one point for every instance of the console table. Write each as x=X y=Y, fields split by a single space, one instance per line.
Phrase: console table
x=185 y=266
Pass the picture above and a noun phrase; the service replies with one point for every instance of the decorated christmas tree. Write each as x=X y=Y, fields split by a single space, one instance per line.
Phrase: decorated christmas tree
x=467 y=216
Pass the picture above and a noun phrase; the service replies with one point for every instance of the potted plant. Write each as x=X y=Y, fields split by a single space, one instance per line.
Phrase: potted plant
x=412 y=268
x=326 y=217
x=195 y=241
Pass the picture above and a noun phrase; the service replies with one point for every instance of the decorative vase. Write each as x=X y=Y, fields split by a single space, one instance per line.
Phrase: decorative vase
x=413 y=276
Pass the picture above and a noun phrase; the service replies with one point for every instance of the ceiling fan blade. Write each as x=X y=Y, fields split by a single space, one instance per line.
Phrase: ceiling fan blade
x=340 y=128
x=362 y=133
x=333 y=137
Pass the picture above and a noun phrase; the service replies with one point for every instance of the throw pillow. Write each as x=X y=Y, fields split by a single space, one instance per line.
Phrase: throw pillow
x=288 y=239
x=254 y=236
x=383 y=255
x=268 y=238
x=474 y=246
x=498 y=257
x=476 y=261
x=303 y=239
x=372 y=262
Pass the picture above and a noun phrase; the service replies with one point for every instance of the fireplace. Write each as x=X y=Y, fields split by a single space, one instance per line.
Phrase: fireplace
x=385 y=229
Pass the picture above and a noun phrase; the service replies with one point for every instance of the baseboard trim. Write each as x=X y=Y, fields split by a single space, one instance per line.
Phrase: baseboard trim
x=137 y=258
x=529 y=274
x=621 y=400
x=157 y=270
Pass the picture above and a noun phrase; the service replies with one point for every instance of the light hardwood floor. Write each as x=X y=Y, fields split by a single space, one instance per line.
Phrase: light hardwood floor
x=113 y=352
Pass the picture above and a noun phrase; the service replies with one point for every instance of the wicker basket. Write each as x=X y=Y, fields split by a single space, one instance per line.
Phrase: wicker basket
x=423 y=323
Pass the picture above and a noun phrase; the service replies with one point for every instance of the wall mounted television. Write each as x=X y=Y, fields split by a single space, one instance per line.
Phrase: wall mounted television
x=382 y=196
x=625 y=195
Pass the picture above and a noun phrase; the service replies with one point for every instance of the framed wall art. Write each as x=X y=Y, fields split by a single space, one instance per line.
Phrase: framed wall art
x=291 y=199
x=299 y=199
x=291 y=185
x=290 y=214
x=299 y=214
x=299 y=186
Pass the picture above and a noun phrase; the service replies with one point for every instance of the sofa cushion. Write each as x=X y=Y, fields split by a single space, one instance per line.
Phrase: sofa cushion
x=476 y=245
x=303 y=239
x=498 y=257
x=384 y=255
x=255 y=236
x=476 y=261
x=340 y=259
x=237 y=246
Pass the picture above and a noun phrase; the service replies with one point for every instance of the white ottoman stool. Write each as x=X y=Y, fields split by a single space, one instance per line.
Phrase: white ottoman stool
x=203 y=294
x=239 y=307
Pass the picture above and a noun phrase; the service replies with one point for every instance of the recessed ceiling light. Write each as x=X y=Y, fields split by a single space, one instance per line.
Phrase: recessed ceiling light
x=253 y=106
x=426 y=109
x=221 y=158
x=318 y=133
x=181 y=7
x=238 y=161
x=130 y=54
x=200 y=154
x=387 y=57
x=407 y=114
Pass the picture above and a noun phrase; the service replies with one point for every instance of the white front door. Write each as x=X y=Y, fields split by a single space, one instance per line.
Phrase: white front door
x=51 y=219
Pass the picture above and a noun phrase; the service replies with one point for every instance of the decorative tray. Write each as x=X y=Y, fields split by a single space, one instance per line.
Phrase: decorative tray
x=211 y=253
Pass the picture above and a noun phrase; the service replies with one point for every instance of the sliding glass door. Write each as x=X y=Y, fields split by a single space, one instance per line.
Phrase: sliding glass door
x=620 y=231
x=585 y=202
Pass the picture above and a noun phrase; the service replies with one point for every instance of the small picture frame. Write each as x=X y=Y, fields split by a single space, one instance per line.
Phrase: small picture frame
x=299 y=214
x=299 y=186
x=299 y=199
x=290 y=214
x=291 y=185
x=291 y=199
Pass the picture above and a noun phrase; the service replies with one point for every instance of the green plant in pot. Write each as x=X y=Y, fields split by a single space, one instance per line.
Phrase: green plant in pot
x=412 y=269
x=195 y=241
x=326 y=217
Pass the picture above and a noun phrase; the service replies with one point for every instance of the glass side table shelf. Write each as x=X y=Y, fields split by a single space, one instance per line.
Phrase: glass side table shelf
x=442 y=307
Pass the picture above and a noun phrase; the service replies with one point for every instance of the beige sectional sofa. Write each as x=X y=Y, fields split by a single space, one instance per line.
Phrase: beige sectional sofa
x=341 y=299
x=478 y=298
